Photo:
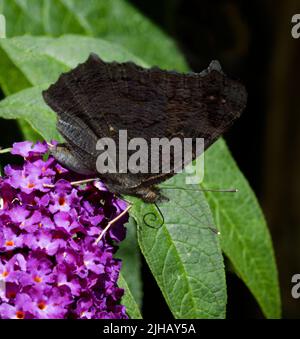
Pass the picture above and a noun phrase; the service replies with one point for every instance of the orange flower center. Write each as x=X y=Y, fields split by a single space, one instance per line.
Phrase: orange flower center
x=9 y=243
x=5 y=274
x=61 y=201
x=30 y=185
x=37 y=279
x=20 y=314
x=41 y=305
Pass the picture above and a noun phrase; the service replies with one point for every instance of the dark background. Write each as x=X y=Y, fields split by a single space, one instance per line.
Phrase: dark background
x=253 y=42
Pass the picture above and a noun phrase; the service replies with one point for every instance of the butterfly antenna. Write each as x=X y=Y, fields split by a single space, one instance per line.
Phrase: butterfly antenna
x=153 y=218
x=228 y=190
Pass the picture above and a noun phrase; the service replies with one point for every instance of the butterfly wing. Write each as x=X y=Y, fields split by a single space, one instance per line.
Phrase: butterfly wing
x=97 y=99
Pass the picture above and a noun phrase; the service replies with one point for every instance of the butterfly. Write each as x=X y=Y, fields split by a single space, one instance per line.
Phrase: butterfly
x=97 y=99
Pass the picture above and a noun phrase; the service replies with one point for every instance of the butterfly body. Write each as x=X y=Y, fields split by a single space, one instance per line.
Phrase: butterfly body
x=98 y=99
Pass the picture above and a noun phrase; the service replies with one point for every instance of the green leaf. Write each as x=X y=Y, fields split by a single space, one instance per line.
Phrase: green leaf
x=11 y=77
x=245 y=238
x=116 y=21
x=184 y=253
x=41 y=59
x=131 y=261
x=128 y=300
x=29 y=105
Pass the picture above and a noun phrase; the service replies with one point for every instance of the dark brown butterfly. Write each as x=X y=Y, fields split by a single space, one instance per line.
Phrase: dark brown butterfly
x=97 y=99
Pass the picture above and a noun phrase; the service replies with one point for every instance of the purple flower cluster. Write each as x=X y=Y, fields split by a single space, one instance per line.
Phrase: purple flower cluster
x=50 y=263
